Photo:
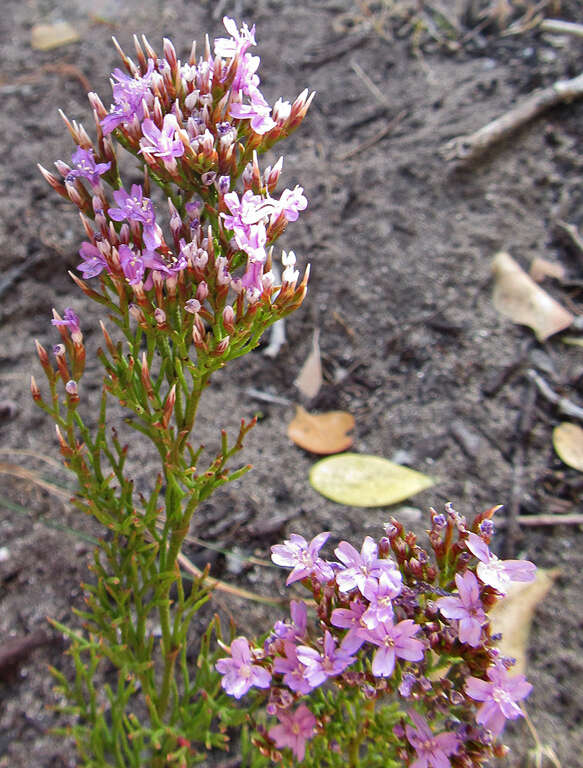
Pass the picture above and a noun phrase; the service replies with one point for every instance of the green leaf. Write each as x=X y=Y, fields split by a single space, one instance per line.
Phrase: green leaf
x=366 y=481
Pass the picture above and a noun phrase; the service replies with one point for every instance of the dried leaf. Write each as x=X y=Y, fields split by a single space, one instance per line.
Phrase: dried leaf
x=366 y=481
x=568 y=444
x=321 y=432
x=518 y=297
x=47 y=36
x=309 y=379
x=512 y=616
x=541 y=269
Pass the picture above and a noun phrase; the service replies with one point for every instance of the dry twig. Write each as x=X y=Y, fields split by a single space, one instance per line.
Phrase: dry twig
x=563 y=405
x=376 y=138
x=560 y=27
x=469 y=148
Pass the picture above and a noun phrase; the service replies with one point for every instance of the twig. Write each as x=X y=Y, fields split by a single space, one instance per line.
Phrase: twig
x=563 y=405
x=372 y=87
x=267 y=397
x=468 y=148
x=376 y=138
x=532 y=521
x=561 y=27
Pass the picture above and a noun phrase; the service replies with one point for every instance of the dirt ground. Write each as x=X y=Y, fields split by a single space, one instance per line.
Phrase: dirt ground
x=400 y=242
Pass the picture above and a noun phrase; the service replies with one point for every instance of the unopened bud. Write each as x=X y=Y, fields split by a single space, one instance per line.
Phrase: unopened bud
x=71 y=387
x=160 y=317
x=34 y=390
x=202 y=291
x=221 y=347
x=228 y=319
x=193 y=306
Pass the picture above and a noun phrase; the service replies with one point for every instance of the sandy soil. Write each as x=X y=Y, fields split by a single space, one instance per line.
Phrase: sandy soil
x=400 y=243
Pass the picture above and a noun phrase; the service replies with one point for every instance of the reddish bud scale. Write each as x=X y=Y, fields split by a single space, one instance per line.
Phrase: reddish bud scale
x=34 y=390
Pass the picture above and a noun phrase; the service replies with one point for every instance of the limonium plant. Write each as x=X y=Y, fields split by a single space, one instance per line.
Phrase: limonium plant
x=388 y=658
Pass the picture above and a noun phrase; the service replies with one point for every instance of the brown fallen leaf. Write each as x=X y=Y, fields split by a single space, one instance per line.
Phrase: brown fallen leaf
x=518 y=297
x=309 y=380
x=44 y=37
x=512 y=616
x=568 y=444
x=322 y=433
x=541 y=269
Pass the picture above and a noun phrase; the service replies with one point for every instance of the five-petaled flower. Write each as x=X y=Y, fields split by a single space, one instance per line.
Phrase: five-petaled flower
x=432 y=750
x=293 y=730
x=394 y=641
x=364 y=568
x=161 y=143
x=499 y=697
x=135 y=207
x=87 y=168
x=466 y=608
x=302 y=558
x=498 y=573
x=239 y=672
x=320 y=666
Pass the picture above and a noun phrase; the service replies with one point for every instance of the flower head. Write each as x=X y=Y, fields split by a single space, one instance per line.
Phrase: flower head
x=498 y=573
x=320 y=666
x=239 y=672
x=162 y=143
x=365 y=567
x=294 y=730
x=432 y=750
x=86 y=167
x=135 y=207
x=500 y=697
x=466 y=608
x=302 y=558
x=394 y=641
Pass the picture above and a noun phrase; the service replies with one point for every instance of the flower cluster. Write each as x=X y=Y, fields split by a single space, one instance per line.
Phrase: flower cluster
x=197 y=127
x=389 y=621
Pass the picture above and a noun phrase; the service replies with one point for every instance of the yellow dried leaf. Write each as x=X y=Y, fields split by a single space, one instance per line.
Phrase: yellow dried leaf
x=309 y=379
x=518 y=297
x=568 y=444
x=47 y=36
x=366 y=481
x=321 y=432
x=512 y=616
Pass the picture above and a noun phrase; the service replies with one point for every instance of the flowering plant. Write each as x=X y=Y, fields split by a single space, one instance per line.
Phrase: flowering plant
x=188 y=292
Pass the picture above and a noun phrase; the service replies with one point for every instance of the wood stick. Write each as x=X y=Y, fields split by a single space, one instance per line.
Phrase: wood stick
x=561 y=27
x=468 y=148
x=536 y=520
x=564 y=405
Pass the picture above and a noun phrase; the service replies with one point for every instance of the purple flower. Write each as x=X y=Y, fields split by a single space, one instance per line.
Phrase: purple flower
x=136 y=207
x=128 y=95
x=394 y=641
x=499 y=696
x=380 y=595
x=293 y=671
x=431 y=750
x=302 y=558
x=297 y=629
x=294 y=730
x=132 y=264
x=241 y=40
x=239 y=672
x=93 y=260
x=259 y=114
x=161 y=143
x=364 y=567
x=351 y=619
x=498 y=573
x=291 y=202
x=467 y=609
x=321 y=666
x=69 y=319
x=86 y=167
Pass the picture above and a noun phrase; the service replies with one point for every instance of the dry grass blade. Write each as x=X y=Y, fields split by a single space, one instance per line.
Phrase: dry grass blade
x=33 y=455
x=229 y=589
x=34 y=477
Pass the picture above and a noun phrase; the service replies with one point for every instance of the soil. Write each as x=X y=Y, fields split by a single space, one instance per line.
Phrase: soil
x=400 y=242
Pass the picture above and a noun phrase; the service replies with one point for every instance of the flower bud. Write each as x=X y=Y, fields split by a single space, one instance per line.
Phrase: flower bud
x=202 y=291
x=160 y=318
x=34 y=390
x=229 y=319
